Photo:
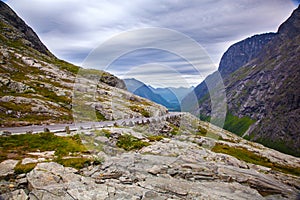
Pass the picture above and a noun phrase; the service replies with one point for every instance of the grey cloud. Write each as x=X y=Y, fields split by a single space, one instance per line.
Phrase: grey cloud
x=72 y=28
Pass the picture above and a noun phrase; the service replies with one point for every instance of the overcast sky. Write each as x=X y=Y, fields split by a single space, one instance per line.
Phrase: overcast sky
x=71 y=29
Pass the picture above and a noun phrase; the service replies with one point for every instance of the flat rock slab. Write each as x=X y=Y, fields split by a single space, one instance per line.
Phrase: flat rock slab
x=26 y=161
x=7 y=167
x=15 y=195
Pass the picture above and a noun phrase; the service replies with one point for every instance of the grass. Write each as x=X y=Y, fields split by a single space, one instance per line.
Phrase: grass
x=204 y=118
x=20 y=145
x=23 y=169
x=87 y=113
x=175 y=130
x=129 y=142
x=103 y=132
x=237 y=125
x=154 y=138
x=139 y=109
x=201 y=131
x=233 y=123
x=77 y=163
x=100 y=116
x=65 y=65
x=280 y=145
x=250 y=157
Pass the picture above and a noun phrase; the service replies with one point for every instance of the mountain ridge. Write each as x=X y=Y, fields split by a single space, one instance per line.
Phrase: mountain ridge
x=264 y=89
x=38 y=88
x=8 y=15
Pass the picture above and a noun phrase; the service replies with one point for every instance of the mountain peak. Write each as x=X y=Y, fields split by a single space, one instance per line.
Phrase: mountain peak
x=291 y=27
x=15 y=29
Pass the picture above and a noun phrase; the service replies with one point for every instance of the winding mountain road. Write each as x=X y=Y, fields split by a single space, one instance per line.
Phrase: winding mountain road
x=82 y=125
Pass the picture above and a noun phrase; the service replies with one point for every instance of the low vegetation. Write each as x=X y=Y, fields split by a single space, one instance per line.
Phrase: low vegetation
x=154 y=138
x=233 y=123
x=77 y=163
x=237 y=125
x=250 y=157
x=139 y=109
x=201 y=131
x=279 y=145
x=23 y=169
x=17 y=146
x=129 y=142
x=175 y=130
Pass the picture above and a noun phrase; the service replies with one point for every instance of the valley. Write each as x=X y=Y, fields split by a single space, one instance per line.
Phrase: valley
x=68 y=132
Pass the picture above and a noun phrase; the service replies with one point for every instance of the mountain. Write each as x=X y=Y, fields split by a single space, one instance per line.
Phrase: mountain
x=181 y=92
x=242 y=52
x=169 y=96
x=142 y=90
x=25 y=34
x=172 y=95
x=262 y=88
x=235 y=57
x=167 y=156
x=38 y=88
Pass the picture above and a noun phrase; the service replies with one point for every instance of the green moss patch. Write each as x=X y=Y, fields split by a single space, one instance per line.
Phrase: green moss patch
x=129 y=142
x=154 y=138
x=23 y=169
x=77 y=163
x=201 y=131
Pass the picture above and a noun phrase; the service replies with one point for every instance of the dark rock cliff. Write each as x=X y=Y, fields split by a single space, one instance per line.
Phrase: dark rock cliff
x=26 y=34
x=262 y=86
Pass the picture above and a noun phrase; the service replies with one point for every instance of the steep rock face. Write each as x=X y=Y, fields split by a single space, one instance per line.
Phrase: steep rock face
x=266 y=89
x=26 y=35
x=36 y=87
x=235 y=57
x=242 y=52
x=271 y=82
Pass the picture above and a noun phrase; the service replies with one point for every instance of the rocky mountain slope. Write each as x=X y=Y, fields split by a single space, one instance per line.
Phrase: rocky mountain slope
x=235 y=57
x=262 y=89
x=175 y=157
x=36 y=87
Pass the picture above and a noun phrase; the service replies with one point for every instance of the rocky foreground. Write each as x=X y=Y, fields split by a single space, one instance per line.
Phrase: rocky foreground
x=172 y=161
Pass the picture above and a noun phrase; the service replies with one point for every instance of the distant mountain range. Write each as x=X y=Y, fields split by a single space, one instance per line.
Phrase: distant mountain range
x=169 y=97
x=262 y=82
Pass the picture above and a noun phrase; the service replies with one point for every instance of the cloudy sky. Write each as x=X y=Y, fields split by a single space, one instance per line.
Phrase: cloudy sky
x=153 y=41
